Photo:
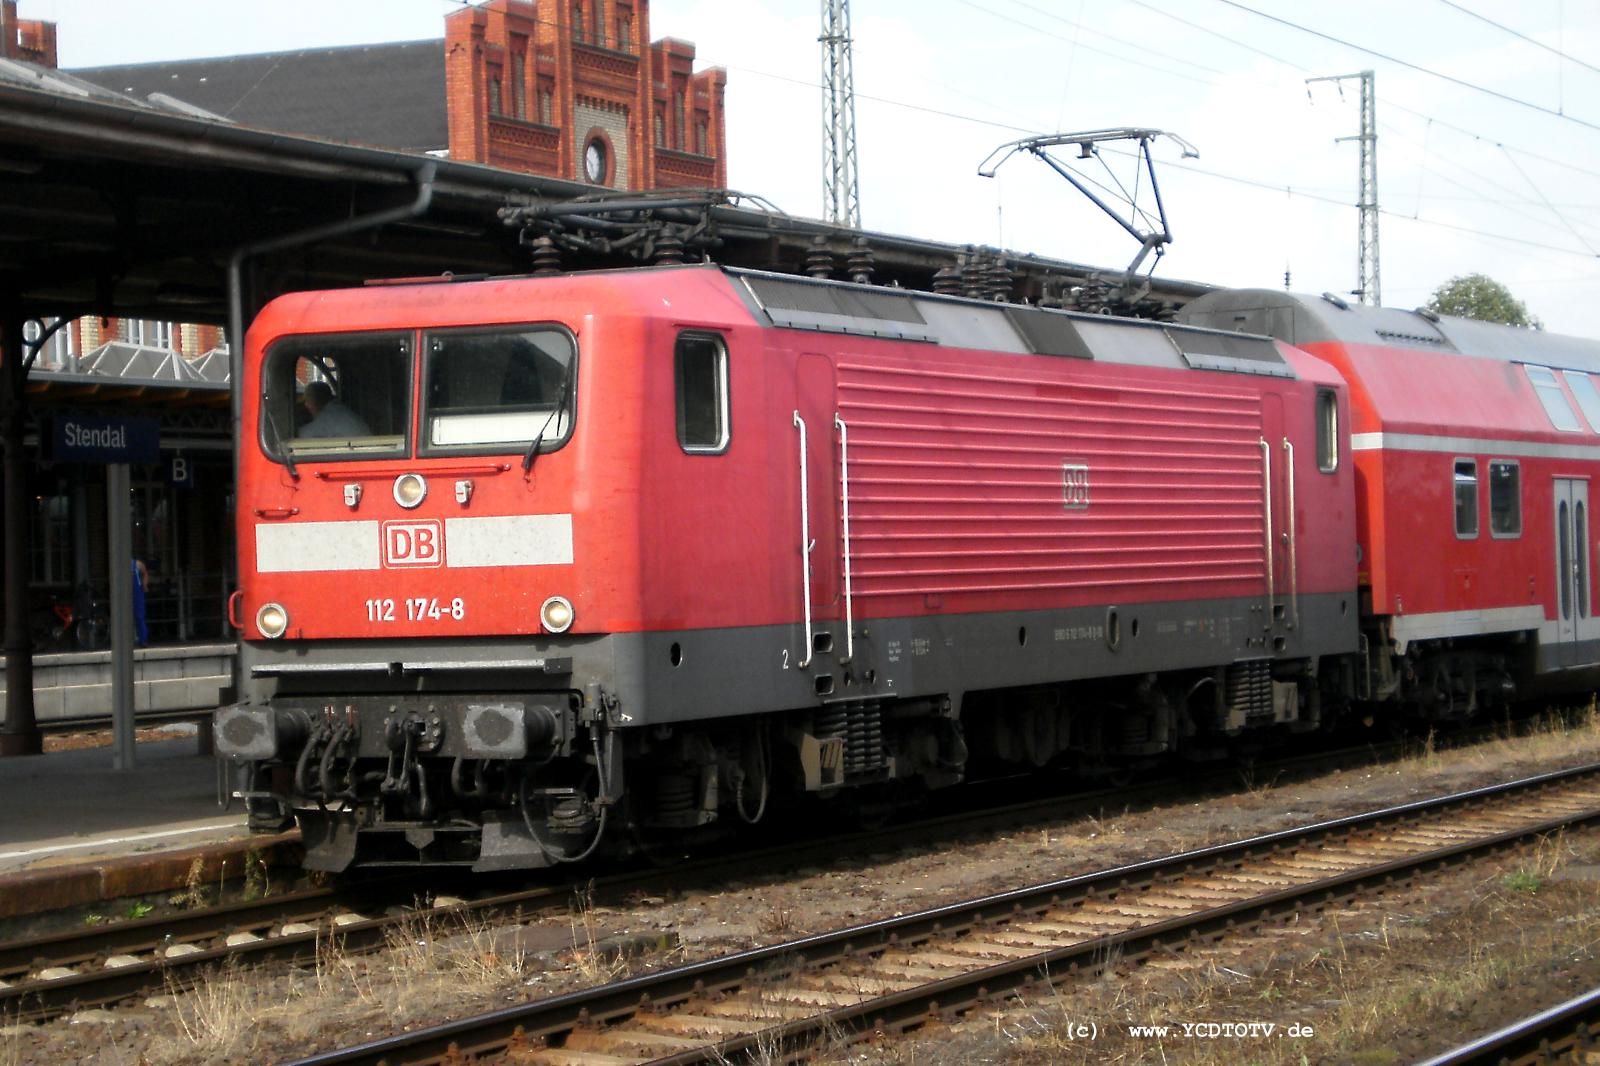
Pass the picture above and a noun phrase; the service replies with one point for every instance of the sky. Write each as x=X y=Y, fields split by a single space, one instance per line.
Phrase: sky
x=1488 y=119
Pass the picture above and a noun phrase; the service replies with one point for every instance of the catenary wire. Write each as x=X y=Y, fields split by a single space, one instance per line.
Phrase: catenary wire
x=1386 y=57
x=1519 y=35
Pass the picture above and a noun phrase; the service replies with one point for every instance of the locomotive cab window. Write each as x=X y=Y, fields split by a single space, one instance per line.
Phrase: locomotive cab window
x=1327 y=430
x=346 y=395
x=1466 y=485
x=1556 y=405
x=487 y=390
x=1505 y=498
x=700 y=367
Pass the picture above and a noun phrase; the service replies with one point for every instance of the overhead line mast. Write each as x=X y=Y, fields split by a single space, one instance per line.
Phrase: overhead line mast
x=1367 y=286
x=841 y=192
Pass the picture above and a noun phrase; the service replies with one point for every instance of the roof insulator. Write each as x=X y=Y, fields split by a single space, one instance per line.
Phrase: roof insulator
x=999 y=279
x=546 y=257
x=669 y=248
x=860 y=264
x=819 y=261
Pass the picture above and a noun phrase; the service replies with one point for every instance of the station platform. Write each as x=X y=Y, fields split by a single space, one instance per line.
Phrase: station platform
x=71 y=687
x=74 y=831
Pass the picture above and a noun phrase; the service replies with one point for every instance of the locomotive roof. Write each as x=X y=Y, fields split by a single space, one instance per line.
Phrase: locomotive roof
x=1299 y=319
x=821 y=305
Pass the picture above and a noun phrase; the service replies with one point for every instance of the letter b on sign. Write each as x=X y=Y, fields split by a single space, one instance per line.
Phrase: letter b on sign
x=413 y=544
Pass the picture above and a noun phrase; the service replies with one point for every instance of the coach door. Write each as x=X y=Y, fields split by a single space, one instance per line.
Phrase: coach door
x=1572 y=557
x=817 y=441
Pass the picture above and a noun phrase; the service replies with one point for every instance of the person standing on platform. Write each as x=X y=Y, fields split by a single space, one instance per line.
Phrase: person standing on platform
x=141 y=631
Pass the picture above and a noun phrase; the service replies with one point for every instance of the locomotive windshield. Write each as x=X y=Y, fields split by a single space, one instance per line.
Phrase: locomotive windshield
x=485 y=391
x=489 y=389
x=345 y=395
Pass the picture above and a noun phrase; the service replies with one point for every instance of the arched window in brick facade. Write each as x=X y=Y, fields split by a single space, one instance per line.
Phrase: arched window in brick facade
x=579 y=26
x=546 y=106
x=680 y=121
x=600 y=22
x=661 y=128
x=519 y=84
x=496 y=103
x=700 y=134
x=624 y=33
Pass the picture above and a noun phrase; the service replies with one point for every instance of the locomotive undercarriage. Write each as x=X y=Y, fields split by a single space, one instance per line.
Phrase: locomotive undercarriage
x=1111 y=725
x=533 y=780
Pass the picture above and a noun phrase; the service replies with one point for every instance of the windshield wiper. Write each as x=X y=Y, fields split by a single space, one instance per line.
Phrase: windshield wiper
x=277 y=443
x=561 y=403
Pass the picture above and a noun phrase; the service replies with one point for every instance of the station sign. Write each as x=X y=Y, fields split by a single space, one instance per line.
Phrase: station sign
x=102 y=439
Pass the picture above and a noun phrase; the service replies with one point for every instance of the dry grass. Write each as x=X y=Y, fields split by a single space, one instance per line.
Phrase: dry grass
x=776 y=920
x=194 y=893
x=1559 y=734
x=217 y=1020
x=1383 y=986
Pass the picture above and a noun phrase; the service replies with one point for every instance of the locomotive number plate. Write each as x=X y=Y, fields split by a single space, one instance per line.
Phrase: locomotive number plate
x=416 y=609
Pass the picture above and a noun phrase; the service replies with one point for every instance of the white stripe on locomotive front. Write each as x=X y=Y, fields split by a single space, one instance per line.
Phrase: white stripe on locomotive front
x=311 y=546
x=510 y=540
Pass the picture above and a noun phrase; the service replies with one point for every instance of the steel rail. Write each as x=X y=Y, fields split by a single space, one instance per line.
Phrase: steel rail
x=1555 y=1035
x=495 y=1031
x=30 y=998
x=27 y=998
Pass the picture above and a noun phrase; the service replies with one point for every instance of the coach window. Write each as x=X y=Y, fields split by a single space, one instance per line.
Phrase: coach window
x=1556 y=404
x=1466 y=498
x=337 y=396
x=1505 y=498
x=1327 y=430
x=1582 y=386
x=491 y=391
x=701 y=370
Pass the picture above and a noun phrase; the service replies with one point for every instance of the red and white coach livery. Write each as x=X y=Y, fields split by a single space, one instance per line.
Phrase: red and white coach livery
x=533 y=566
x=1475 y=446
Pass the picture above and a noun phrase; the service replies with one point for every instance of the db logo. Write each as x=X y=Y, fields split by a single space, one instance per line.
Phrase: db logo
x=413 y=543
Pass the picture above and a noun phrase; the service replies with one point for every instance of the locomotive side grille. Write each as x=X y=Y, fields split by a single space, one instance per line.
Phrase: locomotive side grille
x=860 y=726
x=1247 y=691
x=964 y=480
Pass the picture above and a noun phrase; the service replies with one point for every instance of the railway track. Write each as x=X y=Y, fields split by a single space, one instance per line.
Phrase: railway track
x=897 y=974
x=50 y=975
x=1561 y=1034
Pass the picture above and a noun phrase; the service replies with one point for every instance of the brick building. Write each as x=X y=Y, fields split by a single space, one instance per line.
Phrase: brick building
x=28 y=41
x=562 y=88
x=568 y=89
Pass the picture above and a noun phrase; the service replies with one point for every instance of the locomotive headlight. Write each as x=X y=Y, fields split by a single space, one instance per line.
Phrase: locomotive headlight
x=272 y=620
x=556 y=614
x=410 y=490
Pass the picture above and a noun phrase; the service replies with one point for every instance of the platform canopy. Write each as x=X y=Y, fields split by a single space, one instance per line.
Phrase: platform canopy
x=115 y=207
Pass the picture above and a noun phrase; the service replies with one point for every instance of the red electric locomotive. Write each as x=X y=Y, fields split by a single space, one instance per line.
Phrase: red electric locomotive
x=536 y=565
x=1475 y=446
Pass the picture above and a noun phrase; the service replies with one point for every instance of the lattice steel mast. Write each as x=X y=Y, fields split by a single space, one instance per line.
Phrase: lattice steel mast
x=1367 y=286
x=841 y=194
